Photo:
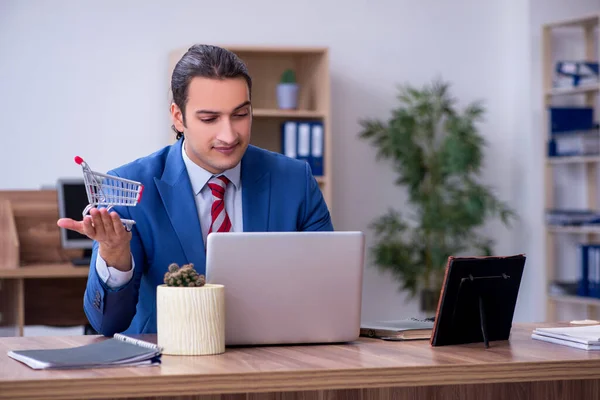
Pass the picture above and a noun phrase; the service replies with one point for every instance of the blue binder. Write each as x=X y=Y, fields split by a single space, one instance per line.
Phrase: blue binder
x=583 y=288
x=594 y=270
x=317 y=148
x=589 y=280
x=289 y=139
x=304 y=141
x=570 y=119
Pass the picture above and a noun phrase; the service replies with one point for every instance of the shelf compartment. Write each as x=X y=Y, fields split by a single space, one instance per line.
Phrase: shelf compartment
x=573 y=160
x=574 y=229
x=266 y=65
x=571 y=91
x=590 y=301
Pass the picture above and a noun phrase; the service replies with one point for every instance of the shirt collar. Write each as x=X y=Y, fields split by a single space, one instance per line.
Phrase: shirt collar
x=199 y=177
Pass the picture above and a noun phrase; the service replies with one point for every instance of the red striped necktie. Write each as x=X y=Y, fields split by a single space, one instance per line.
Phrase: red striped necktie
x=220 y=219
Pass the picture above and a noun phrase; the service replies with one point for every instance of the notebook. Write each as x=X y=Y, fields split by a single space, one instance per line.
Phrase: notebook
x=581 y=337
x=118 y=351
x=404 y=329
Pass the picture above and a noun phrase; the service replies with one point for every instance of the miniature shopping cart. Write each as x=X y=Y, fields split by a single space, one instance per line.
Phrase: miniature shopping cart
x=110 y=191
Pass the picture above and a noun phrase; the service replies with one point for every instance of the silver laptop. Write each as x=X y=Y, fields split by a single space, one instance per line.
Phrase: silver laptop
x=288 y=287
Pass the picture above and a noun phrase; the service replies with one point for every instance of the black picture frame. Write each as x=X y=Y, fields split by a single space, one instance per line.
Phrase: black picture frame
x=477 y=300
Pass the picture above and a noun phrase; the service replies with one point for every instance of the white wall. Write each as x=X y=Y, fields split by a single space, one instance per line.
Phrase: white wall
x=90 y=78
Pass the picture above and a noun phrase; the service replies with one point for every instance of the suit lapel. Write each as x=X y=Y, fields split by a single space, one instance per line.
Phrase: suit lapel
x=178 y=198
x=256 y=193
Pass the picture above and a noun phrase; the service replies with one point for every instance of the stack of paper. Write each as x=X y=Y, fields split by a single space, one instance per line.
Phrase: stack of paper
x=581 y=337
x=404 y=329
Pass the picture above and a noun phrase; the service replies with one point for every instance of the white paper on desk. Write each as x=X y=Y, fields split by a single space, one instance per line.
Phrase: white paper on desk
x=565 y=342
x=589 y=334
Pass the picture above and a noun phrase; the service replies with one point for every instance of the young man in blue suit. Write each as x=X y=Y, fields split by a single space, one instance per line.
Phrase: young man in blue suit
x=210 y=180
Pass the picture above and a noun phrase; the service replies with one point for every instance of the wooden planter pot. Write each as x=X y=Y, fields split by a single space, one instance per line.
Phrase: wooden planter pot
x=191 y=320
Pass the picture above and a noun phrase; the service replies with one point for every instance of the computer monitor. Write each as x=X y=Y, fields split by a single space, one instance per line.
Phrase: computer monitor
x=72 y=200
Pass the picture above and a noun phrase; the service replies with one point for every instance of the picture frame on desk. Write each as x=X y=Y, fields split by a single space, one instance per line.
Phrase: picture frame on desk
x=478 y=299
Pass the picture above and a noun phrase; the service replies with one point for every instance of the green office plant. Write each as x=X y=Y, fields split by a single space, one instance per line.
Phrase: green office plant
x=437 y=153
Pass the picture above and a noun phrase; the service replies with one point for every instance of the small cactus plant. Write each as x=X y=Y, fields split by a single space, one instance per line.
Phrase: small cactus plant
x=288 y=76
x=186 y=276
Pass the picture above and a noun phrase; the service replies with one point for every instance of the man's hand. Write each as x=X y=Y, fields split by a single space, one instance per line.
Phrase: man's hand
x=108 y=230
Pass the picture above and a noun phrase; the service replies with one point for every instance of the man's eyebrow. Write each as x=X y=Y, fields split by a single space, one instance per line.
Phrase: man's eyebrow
x=244 y=104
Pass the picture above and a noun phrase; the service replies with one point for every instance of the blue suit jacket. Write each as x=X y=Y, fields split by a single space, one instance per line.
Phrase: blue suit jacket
x=278 y=194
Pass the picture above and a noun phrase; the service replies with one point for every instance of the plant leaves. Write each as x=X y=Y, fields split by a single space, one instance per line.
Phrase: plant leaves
x=437 y=153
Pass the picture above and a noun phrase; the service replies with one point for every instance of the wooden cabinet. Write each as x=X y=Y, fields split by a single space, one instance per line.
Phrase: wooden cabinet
x=38 y=284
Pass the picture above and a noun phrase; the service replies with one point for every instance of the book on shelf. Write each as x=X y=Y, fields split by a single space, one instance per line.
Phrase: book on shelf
x=118 y=351
x=573 y=131
x=404 y=329
x=571 y=120
x=575 y=73
x=575 y=145
x=572 y=217
x=585 y=337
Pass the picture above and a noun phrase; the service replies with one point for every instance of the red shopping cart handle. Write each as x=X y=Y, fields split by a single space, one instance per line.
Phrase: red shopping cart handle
x=78 y=160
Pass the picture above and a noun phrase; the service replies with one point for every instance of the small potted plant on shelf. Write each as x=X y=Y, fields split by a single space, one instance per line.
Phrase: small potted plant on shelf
x=287 y=91
x=190 y=313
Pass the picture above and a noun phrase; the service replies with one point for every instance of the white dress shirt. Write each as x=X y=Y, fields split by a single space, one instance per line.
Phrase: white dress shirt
x=199 y=178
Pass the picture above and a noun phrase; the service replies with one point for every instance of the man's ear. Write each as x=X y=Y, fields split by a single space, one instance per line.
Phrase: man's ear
x=177 y=117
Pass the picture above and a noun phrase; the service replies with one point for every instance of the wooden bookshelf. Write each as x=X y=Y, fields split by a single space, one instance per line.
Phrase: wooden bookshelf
x=587 y=26
x=38 y=284
x=266 y=64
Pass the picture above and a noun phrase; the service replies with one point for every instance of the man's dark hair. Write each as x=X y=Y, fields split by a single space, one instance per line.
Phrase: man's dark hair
x=205 y=61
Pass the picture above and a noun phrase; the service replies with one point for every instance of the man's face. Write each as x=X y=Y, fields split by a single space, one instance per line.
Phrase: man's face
x=218 y=122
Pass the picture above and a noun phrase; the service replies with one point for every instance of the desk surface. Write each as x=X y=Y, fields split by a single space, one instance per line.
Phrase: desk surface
x=364 y=363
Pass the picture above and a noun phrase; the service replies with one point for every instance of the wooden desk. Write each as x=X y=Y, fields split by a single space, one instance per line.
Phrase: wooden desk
x=367 y=369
